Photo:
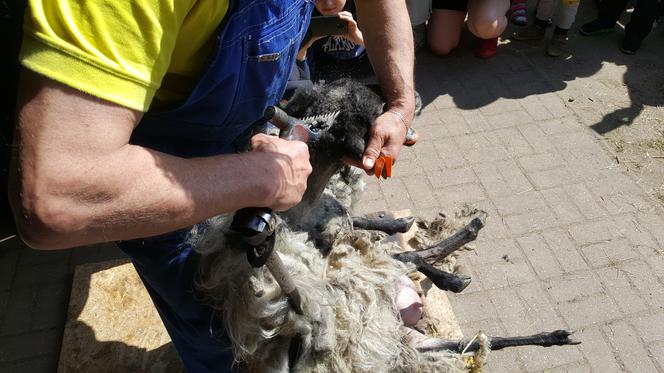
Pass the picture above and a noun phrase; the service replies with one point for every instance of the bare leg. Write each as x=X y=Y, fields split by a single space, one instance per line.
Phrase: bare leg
x=445 y=30
x=486 y=18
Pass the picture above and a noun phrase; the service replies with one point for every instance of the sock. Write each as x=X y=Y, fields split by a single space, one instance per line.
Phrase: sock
x=560 y=31
x=542 y=23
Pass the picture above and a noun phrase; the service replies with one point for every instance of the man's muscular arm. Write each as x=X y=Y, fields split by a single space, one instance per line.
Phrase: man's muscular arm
x=76 y=180
x=389 y=42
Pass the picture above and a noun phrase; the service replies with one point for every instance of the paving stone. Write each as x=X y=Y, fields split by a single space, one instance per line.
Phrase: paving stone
x=34 y=257
x=628 y=347
x=494 y=251
x=458 y=195
x=395 y=193
x=38 y=364
x=405 y=168
x=535 y=108
x=426 y=156
x=366 y=207
x=586 y=311
x=421 y=192
x=449 y=152
x=29 y=345
x=477 y=148
x=504 y=361
x=42 y=273
x=520 y=203
x=564 y=209
x=530 y=222
x=564 y=250
x=537 y=359
x=650 y=327
x=454 y=122
x=8 y=262
x=617 y=284
x=573 y=287
x=561 y=126
x=657 y=351
x=541 y=162
x=451 y=176
x=553 y=178
x=499 y=106
x=474 y=307
x=585 y=201
x=494 y=229
x=50 y=306
x=498 y=275
x=18 y=314
x=576 y=367
x=654 y=224
x=508 y=119
x=475 y=120
x=502 y=178
x=608 y=253
x=541 y=310
x=597 y=351
x=537 y=139
x=539 y=256
x=512 y=312
x=593 y=232
x=554 y=104
x=646 y=282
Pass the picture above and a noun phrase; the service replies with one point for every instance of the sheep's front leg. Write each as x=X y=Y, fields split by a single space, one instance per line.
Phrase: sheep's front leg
x=453 y=282
x=387 y=225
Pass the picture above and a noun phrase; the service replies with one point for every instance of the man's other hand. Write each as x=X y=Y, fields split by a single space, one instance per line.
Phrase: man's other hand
x=284 y=167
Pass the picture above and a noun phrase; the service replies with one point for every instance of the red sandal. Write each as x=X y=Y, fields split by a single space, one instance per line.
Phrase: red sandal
x=487 y=48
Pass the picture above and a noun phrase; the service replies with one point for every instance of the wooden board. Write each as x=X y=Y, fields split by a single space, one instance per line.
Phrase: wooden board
x=112 y=324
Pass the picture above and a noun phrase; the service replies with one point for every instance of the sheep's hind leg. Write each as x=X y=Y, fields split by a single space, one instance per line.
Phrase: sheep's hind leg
x=546 y=339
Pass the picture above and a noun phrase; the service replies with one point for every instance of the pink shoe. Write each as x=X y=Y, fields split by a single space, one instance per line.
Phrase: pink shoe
x=487 y=48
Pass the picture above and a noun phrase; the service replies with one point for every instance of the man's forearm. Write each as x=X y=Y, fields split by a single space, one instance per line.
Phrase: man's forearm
x=389 y=42
x=134 y=192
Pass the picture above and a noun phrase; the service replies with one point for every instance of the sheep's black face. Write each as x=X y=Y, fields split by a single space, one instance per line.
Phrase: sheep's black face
x=357 y=105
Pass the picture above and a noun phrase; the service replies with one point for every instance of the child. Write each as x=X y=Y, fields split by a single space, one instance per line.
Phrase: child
x=486 y=20
x=564 y=20
x=338 y=56
x=330 y=58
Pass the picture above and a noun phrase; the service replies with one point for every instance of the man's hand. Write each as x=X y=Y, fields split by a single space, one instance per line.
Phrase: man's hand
x=387 y=135
x=287 y=168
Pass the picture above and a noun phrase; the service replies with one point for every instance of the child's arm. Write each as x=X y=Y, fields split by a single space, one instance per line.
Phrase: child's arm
x=354 y=34
x=302 y=53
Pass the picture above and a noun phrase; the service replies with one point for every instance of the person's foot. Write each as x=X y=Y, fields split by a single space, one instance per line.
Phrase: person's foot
x=532 y=32
x=487 y=48
x=630 y=45
x=519 y=12
x=595 y=27
x=557 y=45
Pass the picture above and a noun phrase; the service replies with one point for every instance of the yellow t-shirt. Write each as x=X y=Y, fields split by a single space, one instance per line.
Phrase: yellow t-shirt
x=126 y=52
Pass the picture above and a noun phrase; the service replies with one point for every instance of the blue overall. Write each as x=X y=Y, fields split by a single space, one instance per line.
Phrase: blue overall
x=257 y=44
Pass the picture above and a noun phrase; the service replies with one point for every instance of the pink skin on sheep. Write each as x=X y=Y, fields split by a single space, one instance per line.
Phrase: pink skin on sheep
x=408 y=302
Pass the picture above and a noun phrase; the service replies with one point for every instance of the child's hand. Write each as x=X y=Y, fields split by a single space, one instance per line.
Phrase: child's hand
x=354 y=34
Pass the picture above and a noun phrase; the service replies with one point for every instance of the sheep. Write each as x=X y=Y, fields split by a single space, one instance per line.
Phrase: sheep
x=352 y=287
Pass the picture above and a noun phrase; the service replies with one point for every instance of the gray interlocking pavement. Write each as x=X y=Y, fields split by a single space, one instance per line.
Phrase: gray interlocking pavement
x=572 y=240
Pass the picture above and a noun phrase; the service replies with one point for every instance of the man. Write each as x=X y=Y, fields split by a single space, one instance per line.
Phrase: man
x=128 y=115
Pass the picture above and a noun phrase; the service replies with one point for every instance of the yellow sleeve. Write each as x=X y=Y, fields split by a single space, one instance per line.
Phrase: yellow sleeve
x=116 y=50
